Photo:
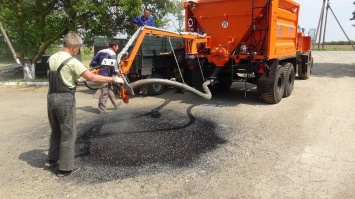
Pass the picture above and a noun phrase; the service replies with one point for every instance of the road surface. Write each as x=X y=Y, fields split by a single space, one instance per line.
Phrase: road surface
x=181 y=146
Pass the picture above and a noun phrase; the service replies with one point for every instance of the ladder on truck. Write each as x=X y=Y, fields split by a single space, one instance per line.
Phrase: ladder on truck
x=258 y=36
x=260 y=14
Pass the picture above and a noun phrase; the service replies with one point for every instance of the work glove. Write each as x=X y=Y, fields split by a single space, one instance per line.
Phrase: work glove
x=118 y=80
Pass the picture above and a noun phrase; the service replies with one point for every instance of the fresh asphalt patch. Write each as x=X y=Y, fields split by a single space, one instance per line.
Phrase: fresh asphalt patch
x=123 y=145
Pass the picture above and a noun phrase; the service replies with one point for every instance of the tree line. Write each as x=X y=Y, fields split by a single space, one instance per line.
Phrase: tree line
x=35 y=26
x=339 y=43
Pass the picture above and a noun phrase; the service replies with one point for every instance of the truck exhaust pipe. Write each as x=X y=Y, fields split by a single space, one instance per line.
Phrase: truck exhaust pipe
x=206 y=95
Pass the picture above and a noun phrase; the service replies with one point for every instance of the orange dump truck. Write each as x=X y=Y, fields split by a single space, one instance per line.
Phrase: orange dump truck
x=255 y=41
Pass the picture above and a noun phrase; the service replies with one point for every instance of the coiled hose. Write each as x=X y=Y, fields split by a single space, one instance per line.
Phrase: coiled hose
x=207 y=95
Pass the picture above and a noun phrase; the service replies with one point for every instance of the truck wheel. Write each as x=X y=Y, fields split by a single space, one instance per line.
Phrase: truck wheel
x=155 y=89
x=289 y=78
x=278 y=88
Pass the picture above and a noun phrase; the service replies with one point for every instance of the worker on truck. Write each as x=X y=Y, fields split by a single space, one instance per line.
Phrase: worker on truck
x=146 y=19
x=106 y=90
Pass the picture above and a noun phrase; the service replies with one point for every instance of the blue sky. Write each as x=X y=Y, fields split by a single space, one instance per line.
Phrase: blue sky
x=310 y=12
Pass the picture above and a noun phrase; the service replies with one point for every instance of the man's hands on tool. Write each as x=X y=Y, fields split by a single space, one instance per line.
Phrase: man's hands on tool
x=118 y=80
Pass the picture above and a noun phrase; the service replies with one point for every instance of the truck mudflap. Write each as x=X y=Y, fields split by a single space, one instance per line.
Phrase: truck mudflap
x=305 y=65
x=265 y=83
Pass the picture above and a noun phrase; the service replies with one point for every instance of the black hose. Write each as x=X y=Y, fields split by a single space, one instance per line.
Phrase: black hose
x=207 y=95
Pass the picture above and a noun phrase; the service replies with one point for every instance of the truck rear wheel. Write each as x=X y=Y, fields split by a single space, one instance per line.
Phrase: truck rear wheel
x=289 y=78
x=155 y=89
x=278 y=88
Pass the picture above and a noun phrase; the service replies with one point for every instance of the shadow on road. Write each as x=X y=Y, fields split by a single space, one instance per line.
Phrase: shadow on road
x=37 y=158
x=333 y=70
x=236 y=95
x=230 y=98
x=89 y=109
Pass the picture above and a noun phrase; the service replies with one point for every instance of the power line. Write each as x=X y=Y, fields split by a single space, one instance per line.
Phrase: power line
x=323 y=20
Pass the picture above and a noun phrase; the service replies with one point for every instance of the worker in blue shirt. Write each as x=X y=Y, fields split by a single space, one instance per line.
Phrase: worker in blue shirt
x=146 y=19
x=106 y=90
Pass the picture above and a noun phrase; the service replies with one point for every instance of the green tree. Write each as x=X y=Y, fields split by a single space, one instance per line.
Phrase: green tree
x=179 y=15
x=353 y=18
x=34 y=25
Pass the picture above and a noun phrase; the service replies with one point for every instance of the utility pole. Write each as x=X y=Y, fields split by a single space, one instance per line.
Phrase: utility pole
x=320 y=25
x=8 y=42
x=325 y=25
